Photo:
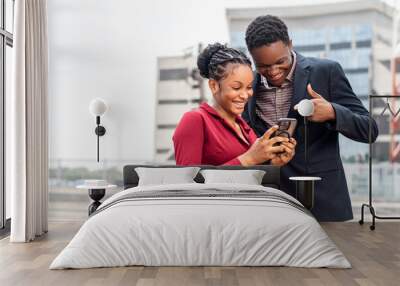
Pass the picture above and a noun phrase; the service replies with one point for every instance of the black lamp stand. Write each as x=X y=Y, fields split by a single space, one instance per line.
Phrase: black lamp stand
x=100 y=131
x=306 y=145
x=305 y=186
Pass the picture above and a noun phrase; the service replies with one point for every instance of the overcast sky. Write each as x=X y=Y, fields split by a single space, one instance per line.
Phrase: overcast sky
x=108 y=49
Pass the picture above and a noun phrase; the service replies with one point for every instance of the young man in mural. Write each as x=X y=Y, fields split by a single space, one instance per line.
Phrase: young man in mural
x=285 y=77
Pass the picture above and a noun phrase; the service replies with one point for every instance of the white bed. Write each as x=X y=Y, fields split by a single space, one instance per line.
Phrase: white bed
x=250 y=225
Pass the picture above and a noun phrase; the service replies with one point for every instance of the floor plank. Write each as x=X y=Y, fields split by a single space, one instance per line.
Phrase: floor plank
x=374 y=255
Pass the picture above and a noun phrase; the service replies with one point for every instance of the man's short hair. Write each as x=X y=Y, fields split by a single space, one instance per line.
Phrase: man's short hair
x=265 y=30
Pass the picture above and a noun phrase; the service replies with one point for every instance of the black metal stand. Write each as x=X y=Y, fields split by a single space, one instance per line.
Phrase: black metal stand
x=305 y=193
x=369 y=205
x=306 y=145
x=96 y=195
x=100 y=131
x=305 y=186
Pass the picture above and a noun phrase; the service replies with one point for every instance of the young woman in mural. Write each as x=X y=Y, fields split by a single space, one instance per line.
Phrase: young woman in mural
x=216 y=134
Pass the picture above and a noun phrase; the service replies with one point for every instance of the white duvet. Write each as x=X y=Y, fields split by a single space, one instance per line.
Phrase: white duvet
x=183 y=231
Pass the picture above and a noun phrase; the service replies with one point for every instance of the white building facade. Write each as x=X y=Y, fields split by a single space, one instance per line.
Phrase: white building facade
x=179 y=89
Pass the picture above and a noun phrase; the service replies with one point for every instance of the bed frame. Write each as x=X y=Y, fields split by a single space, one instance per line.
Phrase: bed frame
x=270 y=179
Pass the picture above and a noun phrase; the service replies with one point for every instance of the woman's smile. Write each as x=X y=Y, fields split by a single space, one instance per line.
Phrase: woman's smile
x=239 y=104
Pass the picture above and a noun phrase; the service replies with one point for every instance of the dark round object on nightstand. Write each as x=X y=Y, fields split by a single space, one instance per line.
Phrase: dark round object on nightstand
x=96 y=195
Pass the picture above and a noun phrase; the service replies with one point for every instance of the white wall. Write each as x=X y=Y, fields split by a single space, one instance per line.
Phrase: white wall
x=108 y=49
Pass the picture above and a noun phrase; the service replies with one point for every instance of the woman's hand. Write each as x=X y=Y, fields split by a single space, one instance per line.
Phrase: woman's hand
x=263 y=149
x=284 y=158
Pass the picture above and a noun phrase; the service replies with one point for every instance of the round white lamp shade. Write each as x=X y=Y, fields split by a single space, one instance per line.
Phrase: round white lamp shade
x=97 y=107
x=305 y=107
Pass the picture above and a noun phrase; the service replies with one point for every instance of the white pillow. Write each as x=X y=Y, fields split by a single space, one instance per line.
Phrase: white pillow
x=162 y=176
x=248 y=177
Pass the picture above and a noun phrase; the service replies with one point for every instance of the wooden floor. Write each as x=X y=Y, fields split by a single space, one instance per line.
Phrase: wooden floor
x=374 y=255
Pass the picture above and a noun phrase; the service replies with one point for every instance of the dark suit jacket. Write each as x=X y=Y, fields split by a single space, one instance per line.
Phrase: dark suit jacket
x=332 y=201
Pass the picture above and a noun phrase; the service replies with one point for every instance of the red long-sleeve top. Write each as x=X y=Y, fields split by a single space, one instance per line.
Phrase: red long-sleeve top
x=203 y=137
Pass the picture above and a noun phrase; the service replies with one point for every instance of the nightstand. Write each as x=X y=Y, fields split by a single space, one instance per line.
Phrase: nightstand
x=96 y=190
x=305 y=190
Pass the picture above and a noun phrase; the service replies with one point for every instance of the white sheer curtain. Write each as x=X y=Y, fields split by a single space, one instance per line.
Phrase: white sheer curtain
x=28 y=158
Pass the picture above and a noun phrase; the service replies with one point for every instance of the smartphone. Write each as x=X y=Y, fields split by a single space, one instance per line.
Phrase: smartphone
x=286 y=127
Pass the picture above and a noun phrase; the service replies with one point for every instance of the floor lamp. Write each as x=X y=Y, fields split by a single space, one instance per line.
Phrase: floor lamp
x=305 y=185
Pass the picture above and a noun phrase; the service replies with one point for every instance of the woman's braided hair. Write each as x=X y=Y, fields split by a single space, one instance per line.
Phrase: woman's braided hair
x=214 y=59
